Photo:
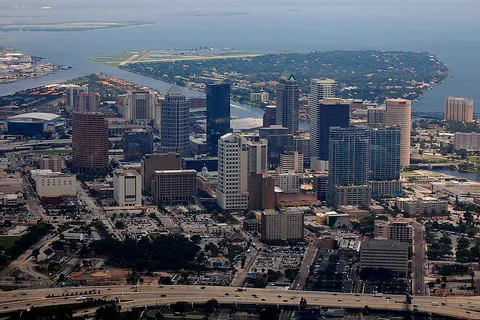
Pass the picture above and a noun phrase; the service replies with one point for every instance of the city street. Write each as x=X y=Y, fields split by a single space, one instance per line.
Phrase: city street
x=418 y=286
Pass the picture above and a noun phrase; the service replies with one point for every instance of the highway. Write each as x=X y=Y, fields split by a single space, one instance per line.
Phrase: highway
x=419 y=259
x=150 y=295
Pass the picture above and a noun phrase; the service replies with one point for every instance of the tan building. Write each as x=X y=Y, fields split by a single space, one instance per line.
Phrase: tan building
x=56 y=185
x=459 y=109
x=291 y=161
x=469 y=141
x=261 y=189
x=286 y=225
x=153 y=162
x=174 y=186
x=399 y=112
x=427 y=206
x=52 y=162
x=10 y=184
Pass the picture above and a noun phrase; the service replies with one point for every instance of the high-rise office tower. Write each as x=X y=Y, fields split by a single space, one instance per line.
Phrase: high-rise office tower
x=175 y=122
x=257 y=156
x=279 y=141
x=261 y=192
x=385 y=153
x=398 y=112
x=269 y=116
x=154 y=162
x=71 y=93
x=287 y=103
x=459 y=109
x=88 y=102
x=139 y=105
x=321 y=89
x=349 y=164
x=324 y=115
x=232 y=188
x=136 y=144
x=376 y=117
x=89 y=142
x=218 y=114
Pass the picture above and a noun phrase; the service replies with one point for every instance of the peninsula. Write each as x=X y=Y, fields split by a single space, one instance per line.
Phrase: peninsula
x=367 y=74
x=70 y=26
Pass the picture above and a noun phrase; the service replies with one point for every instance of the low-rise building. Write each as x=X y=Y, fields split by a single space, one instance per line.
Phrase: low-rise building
x=51 y=162
x=174 y=186
x=399 y=230
x=390 y=188
x=127 y=187
x=427 y=206
x=56 y=184
x=468 y=141
x=284 y=225
x=387 y=254
x=11 y=200
x=10 y=184
x=288 y=182
x=352 y=195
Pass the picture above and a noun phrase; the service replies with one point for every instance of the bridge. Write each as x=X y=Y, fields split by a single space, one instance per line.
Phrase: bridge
x=435 y=165
x=152 y=295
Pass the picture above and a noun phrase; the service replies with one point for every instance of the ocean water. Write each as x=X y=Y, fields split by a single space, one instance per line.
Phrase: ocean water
x=448 y=29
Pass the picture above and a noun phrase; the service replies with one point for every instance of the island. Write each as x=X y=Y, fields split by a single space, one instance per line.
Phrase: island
x=70 y=26
x=15 y=65
x=366 y=74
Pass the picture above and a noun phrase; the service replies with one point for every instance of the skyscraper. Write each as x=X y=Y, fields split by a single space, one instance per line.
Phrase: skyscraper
x=324 y=115
x=89 y=142
x=232 y=188
x=349 y=164
x=459 y=109
x=269 y=116
x=399 y=112
x=88 y=102
x=376 y=117
x=321 y=89
x=71 y=93
x=139 y=105
x=136 y=144
x=257 y=156
x=287 y=103
x=385 y=153
x=279 y=141
x=218 y=114
x=175 y=122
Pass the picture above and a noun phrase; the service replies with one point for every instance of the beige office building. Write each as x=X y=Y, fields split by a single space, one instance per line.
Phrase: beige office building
x=127 y=187
x=161 y=161
x=387 y=254
x=174 y=186
x=459 y=109
x=56 y=185
x=399 y=112
x=286 y=225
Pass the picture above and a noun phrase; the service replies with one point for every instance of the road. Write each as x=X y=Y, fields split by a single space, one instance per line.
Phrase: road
x=418 y=286
x=150 y=295
x=308 y=259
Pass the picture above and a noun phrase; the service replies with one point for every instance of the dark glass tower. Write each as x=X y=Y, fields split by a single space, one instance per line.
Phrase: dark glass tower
x=218 y=114
x=136 y=144
x=287 y=103
x=385 y=153
x=328 y=113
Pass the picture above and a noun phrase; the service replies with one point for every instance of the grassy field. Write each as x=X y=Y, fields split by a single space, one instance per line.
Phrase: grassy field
x=145 y=56
x=7 y=242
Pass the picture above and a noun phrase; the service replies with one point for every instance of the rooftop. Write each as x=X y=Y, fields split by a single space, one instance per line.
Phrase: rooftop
x=39 y=116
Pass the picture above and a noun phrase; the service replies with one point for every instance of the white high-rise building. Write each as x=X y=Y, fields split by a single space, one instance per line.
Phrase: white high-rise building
x=139 y=105
x=127 y=187
x=232 y=188
x=399 y=112
x=321 y=89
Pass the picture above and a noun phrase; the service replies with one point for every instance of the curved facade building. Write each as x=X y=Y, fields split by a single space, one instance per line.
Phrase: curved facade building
x=398 y=112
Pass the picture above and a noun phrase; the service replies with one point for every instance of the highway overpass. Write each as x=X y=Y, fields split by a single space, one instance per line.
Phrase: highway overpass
x=150 y=295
